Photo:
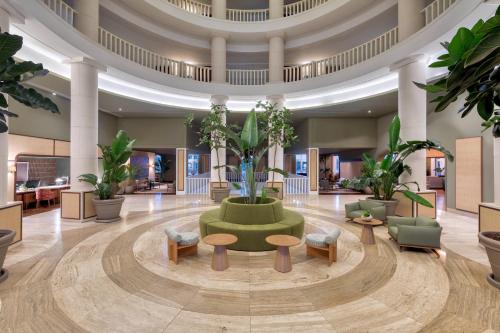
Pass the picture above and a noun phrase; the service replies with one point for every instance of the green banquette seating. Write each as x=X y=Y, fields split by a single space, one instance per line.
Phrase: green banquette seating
x=251 y=223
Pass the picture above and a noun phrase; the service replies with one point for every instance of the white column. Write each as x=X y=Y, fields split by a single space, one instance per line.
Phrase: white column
x=219 y=9
x=218 y=53
x=4 y=144
x=87 y=18
x=276 y=8
x=410 y=17
x=276 y=151
x=496 y=167
x=412 y=110
x=221 y=152
x=84 y=117
x=276 y=58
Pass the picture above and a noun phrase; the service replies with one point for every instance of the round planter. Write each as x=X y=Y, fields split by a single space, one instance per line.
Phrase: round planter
x=220 y=194
x=129 y=189
x=6 y=238
x=108 y=210
x=493 y=250
x=390 y=205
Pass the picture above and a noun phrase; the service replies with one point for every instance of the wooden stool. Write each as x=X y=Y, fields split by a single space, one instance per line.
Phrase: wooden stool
x=181 y=244
x=283 y=260
x=329 y=252
x=367 y=236
x=219 y=242
x=323 y=245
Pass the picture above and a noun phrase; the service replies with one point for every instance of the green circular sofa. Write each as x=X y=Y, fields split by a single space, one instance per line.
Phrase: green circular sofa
x=251 y=223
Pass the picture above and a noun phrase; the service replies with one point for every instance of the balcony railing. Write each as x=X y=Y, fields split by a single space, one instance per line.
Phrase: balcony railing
x=301 y=6
x=435 y=9
x=295 y=184
x=247 y=15
x=62 y=10
x=197 y=185
x=153 y=60
x=247 y=77
x=194 y=7
x=343 y=60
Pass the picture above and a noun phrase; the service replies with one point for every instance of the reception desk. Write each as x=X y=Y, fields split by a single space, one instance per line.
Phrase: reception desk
x=29 y=196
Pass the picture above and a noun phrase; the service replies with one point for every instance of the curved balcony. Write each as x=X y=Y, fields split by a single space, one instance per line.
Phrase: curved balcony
x=246 y=15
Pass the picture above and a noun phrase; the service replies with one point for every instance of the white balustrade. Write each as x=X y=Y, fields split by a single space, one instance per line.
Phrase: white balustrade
x=343 y=60
x=435 y=9
x=301 y=6
x=62 y=9
x=296 y=185
x=152 y=60
x=247 y=15
x=247 y=77
x=194 y=7
x=234 y=177
x=197 y=185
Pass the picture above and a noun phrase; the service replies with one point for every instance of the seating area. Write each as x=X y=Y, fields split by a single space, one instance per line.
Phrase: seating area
x=357 y=209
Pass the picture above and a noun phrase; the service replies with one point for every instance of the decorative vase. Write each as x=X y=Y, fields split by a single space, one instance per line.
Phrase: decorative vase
x=6 y=238
x=491 y=241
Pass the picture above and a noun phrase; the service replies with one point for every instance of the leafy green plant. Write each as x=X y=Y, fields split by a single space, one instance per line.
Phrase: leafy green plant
x=115 y=171
x=280 y=131
x=131 y=172
x=13 y=74
x=472 y=59
x=345 y=183
x=366 y=214
x=383 y=177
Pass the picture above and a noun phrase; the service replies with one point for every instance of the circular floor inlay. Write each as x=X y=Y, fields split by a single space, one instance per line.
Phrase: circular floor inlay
x=248 y=270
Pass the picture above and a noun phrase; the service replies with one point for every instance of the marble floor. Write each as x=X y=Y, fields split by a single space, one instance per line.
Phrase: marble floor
x=89 y=277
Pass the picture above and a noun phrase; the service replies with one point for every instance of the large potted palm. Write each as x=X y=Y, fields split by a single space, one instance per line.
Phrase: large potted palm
x=12 y=76
x=472 y=58
x=280 y=134
x=107 y=204
x=382 y=177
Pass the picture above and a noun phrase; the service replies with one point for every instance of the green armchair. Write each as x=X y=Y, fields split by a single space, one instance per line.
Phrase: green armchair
x=420 y=232
x=356 y=209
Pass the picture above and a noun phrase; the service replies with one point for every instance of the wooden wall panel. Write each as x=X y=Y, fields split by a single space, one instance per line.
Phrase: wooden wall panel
x=20 y=144
x=88 y=205
x=11 y=218
x=489 y=218
x=313 y=169
x=70 y=205
x=62 y=148
x=181 y=168
x=468 y=166
x=405 y=205
x=430 y=196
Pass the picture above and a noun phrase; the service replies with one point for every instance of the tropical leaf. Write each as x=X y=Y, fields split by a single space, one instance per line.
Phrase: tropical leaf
x=460 y=43
x=484 y=48
x=417 y=198
x=394 y=131
x=9 y=45
x=250 y=132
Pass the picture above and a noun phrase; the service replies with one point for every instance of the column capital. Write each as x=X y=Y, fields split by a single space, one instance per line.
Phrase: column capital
x=408 y=60
x=87 y=61
x=218 y=99
x=14 y=14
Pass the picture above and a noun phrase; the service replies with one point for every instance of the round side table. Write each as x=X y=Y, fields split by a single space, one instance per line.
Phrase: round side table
x=283 y=260
x=367 y=236
x=219 y=242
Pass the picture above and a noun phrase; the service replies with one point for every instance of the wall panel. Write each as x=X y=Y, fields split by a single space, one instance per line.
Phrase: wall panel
x=469 y=166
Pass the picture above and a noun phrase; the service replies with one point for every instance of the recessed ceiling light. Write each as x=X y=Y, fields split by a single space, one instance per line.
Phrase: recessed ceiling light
x=369 y=111
x=119 y=109
x=54 y=93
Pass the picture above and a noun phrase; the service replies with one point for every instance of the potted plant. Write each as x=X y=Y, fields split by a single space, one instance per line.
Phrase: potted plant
x=114 y=157
x=472 y=60
x=131 y=173
x=280 y=134
x=383 y=177
x=366 y=216
x=211 y=134
x=6 y=238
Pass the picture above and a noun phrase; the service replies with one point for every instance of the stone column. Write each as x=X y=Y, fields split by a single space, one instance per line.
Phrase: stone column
x=412 y=110
x=218 y=53
x=312 y=169
x=87 y=18
x=276 y=58
x=410 y=17
x=276 y=8
x=219 y=9
x=4 y=143
x=276 y=152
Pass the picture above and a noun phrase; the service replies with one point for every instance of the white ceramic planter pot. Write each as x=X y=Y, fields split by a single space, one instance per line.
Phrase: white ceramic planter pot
x=108 y=210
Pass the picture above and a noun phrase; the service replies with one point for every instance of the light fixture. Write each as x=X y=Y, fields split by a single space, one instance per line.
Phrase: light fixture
x=120 y=109
x=12 y=168
x=54 y=93
x=369 y=111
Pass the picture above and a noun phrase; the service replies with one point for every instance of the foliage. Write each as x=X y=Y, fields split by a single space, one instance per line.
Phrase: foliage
x=472 y=59
x=13 y=74
x=280 y=129
x=383 y=177
x=344 y=183
x=115 y=171
x=366 y=214
x=131 y=172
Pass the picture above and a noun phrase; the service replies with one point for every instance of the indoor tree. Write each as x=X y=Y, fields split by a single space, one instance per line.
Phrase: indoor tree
x=382 y=177
x=12 y=76
x=280 y=130
x=472 y=60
